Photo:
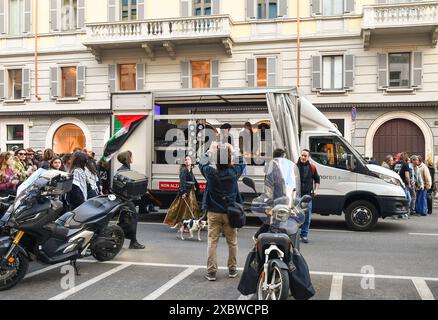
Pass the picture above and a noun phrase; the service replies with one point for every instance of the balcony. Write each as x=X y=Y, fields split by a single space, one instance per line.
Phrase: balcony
x=164 y=33
x=401 y=18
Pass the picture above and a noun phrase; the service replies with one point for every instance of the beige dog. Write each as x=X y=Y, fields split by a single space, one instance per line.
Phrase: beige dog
x=191 y=225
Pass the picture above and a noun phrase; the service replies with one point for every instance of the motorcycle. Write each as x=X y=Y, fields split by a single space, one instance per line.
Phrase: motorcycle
x=31 y=228
x=282 y=213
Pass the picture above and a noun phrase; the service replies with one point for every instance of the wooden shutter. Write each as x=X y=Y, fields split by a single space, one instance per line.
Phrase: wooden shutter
x=316 y=7
x=54 y=15
x=112 y=10
x=215 y=7
x=54 y=82
x=251 y=9
x=417 y=62
x=251 y=72
x=81 y=14
x=140 y=9
x=2 y=17
x=2 y=85
x=215 y=74
x=184 y=8
x=185 y=74
x=112 y=68
x=282 y=9
x=140 y=76
x=26 y=84
x=80 y=82
x=349 y=6
x=382 y=70
x=28 y=16
x=316 y=73
x=348 y=71
x=272 y=72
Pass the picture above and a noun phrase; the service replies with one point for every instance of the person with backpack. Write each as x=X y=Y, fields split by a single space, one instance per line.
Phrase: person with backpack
x=310 y=182
x=223 y=190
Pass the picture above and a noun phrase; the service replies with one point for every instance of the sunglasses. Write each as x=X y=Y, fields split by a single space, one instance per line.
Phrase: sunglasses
x=22 y=154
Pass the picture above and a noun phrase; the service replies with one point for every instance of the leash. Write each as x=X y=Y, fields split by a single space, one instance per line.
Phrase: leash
x=190 y=209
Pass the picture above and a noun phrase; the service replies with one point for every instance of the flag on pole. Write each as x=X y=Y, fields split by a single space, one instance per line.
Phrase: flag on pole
x=124 y=126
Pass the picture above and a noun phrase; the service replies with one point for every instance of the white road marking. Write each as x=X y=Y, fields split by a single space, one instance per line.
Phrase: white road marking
x=424 y=234
x=160 y=291
x=40 y=271
x=90 y=282
x=336 y=289
x=423 y=289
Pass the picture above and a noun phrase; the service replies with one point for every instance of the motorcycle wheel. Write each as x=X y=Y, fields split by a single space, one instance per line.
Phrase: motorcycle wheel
x=116 y=234
x=10 y=278
x=278 y=285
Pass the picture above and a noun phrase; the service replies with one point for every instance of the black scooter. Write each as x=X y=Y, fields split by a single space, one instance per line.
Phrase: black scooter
x=31 y=230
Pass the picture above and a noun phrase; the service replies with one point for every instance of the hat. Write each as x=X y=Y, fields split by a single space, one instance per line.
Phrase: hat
x=30 y=150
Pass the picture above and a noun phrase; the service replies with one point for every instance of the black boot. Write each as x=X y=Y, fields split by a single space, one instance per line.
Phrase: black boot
x=136 y=245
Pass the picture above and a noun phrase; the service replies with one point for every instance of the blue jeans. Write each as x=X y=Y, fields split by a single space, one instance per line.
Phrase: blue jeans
x=421 y=204
x=408 y=195
x=306 y=224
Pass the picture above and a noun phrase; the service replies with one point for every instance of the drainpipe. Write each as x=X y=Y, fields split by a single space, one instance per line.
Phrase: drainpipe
x=36 y=50
x=298 y=43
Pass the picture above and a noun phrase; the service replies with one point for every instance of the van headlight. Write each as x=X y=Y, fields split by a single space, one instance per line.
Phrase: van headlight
x=390 y=179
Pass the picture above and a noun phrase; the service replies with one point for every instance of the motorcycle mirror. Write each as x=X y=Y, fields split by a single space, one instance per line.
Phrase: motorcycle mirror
x=250 y=183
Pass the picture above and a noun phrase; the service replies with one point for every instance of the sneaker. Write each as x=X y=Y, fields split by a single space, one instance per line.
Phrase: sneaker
x=136 y=246
x=232 y=274
x=305 y=239
x=211 y=276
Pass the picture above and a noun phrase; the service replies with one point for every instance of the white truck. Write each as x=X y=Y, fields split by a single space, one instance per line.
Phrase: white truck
x=280 y=117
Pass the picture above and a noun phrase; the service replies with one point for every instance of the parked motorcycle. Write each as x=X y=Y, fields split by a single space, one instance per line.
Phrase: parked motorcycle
x=282 y=213
x=31 y=230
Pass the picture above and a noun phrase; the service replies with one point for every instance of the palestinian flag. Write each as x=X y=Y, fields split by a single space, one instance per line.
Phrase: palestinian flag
x=124 y=126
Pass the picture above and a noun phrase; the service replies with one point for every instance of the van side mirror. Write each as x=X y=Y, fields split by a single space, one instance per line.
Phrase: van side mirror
x=304 y=203
x=249 y=183
x=351 y=162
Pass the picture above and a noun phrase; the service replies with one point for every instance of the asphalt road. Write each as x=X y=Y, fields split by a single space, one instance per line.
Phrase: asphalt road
x=401 y=254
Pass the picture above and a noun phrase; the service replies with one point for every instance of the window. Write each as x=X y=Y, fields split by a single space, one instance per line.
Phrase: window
x=127 y=77
x=16 y=17
x=332 y=7
x=332 y=72
x=68 y=84
x=399 y=69
x=129 y=10
x=267 y=9
x=15 y=84
x=201 y=74
x=15 y=136
x=202 y=7
x=69 y=11
x=262 y=72
x=331 y=152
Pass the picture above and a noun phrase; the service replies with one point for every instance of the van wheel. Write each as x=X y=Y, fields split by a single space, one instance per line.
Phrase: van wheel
x=361 y=216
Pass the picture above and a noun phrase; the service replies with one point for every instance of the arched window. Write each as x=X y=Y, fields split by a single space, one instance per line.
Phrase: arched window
x=67 y=138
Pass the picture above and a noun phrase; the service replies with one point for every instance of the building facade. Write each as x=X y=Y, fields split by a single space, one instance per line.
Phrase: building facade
x=370 y=65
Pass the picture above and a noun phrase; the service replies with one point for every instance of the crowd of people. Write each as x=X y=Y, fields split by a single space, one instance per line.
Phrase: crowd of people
x=418 y=177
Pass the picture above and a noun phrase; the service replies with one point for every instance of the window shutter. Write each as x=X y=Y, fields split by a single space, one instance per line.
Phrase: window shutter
x=251 y=72
x=2 y=84
x=2 y=17
x=349 y=6
x=251 y=9
x=54 y=82
x=81 y=14
x=417 y=80
x=382 y=65
x=140 y=76
x=140 y=9
x=112 y=77
x=27 y=16
x=282 y=9
x=112 y=10
x=215 y=74
x=26 y=84
x=184 y=8
x=316 y=7
x=216 y=7
x=80 y=82
x=185 y=74
x=272 y=72
x=348 y=71
x=54 y=15
x=316 y=73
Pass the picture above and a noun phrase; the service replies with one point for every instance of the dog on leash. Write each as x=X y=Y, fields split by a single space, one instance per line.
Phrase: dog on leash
x=191 y=225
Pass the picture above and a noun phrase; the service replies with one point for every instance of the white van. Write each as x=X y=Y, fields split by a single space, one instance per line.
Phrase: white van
x=280 y=117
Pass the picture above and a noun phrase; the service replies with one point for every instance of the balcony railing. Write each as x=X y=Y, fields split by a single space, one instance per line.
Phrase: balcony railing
x=156 y=30
x=400 y=15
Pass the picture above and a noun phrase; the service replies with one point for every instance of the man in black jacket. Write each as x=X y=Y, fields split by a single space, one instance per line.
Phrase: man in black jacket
x=308 y=175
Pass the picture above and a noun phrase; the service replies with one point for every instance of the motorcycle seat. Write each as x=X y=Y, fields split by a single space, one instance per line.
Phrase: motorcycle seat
x=94 y=208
